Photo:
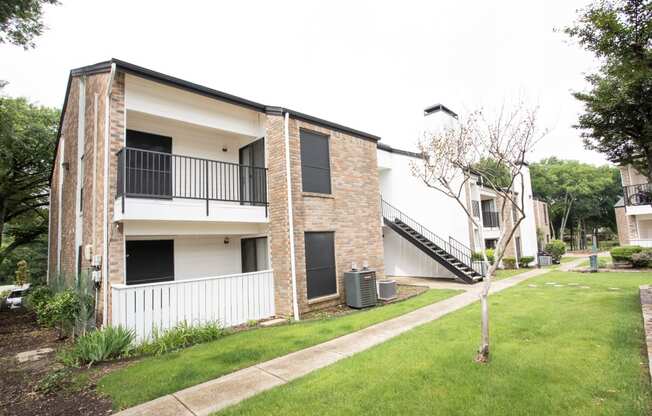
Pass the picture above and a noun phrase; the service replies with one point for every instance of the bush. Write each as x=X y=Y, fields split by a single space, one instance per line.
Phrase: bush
x=624 y=254
x=181 y=336
x=60 y=311
x=490 y=255
x=38 y=297
x=22 y=275
x=476 y=256
x=642 y=259
x=525 y=261
x=101 y=345
x=556 y=249
x=509 y=262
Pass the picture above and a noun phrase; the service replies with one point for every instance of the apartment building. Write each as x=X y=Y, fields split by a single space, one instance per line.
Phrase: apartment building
x=189 y=204
x=634 y=210
x=542 y=222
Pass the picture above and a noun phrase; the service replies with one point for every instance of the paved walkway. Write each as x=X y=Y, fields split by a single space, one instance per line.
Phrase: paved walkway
x=214 y=395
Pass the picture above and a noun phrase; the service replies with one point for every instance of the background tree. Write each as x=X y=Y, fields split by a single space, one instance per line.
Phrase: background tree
x=20 y=21
x=618 y=110
x=454 y=155
x=577 y=193
x=27 y=136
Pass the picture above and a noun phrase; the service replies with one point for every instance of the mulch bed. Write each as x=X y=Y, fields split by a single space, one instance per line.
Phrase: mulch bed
x=18 y=396
x=403 y=292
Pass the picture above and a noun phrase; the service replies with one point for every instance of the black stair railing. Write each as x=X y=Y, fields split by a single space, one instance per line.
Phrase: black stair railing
x=638 y=194
x=453 y=247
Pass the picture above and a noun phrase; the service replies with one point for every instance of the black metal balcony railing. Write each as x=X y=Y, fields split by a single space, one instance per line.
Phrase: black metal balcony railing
x=149 y=174
x=638 y=194
x=490 y=219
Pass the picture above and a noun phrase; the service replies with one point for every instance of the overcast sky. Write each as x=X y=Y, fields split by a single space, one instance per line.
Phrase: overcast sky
x=370 y=65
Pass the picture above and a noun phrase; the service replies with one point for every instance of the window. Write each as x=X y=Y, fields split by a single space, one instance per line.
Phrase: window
x=545 y=214
x=476 y=208
x=149 y=261
x=321 y=277
x=254 y=254
x=315 y=163
x=490 y=243
x=149 y=165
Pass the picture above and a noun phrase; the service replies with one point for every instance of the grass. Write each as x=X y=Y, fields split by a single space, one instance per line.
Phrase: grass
x=556 y=351
x=603 y=261
x=156 y=376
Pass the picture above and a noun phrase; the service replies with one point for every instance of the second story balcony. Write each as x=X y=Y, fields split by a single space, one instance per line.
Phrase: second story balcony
x=636 y=195
x=154 y=185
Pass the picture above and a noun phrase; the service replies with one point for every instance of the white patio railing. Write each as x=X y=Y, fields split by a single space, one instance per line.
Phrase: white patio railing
x=230 y=300
x=642 y=242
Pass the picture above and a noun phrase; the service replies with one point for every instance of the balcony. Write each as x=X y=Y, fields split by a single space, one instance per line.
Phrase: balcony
x=490 y=219
x=154 y=185
x=638 y=194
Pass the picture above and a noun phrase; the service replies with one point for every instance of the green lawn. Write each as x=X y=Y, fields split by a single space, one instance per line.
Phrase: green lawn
x=505 y=273
x=556 y=351
x=603 y=261
x=156 y=376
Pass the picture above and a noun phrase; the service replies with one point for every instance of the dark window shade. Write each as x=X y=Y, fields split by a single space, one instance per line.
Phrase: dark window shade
x=254 y=254
x=150 y=261
x=320 y=264
x=315 y=163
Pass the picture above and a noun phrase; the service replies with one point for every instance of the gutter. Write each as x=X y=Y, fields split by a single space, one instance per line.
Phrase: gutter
x=288 y=175
x=105 y=219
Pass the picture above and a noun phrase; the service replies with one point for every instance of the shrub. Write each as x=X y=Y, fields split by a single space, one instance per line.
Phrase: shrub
x=624 y=254
x=476 y=256
x=103 y=344
x=490 y=255
x=22 y=275
x=509 y=262
x=181 y=336
x=60 y=311
x=556 y=249
x=38 y=297
x=525 y=261
x=642 y=259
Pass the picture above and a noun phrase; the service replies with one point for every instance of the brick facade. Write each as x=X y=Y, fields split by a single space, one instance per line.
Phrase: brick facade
x=622 y=223
x=351 y=211
x=542 y=222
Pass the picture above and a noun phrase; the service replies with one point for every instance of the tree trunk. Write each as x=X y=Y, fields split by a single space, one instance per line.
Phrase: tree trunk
x=3 y=212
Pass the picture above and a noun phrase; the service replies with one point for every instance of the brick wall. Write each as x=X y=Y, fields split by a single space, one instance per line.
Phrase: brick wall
x=622 y=223
x=541 y=220
x=351 y=211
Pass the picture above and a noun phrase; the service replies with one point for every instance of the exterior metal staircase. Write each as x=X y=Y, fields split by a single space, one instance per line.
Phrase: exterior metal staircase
x=451 y=254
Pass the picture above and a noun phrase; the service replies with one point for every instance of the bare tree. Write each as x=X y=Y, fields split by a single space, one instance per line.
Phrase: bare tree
x=450 y=161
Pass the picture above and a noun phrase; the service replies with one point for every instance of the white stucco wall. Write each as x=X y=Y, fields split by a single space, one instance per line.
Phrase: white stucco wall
x=528 y=227
x=429 y=207
x=206 y=256
x=402 y=258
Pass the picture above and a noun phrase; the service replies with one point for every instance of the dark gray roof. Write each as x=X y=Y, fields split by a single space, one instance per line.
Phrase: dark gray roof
x=620 y=203
x=439 y=107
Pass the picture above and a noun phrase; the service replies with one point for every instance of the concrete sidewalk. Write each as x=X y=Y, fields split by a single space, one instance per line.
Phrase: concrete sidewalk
x=230 y=389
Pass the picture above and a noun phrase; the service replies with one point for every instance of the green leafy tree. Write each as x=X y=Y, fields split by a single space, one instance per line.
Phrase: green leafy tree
x=617 y=120
x=27 y=136
x=576 y=192
x=493 y=171
x=20 y=21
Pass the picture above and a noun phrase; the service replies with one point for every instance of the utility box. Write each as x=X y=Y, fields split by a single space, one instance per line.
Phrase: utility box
x=387 y=290
x=360 y=286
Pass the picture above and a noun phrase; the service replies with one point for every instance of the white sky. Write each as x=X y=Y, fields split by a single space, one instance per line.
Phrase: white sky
x=370 y=65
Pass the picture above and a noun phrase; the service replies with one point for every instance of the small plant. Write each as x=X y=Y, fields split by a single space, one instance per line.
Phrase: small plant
x=490 y=255
x=642 y=259
x=509 y=262
x=22 y=275
x=181 y=336
x=102 y=345
x=525 y=261
x=556 y=249
x=53 y=381
x=60 y=312
x=38 y=297
x=624 y=254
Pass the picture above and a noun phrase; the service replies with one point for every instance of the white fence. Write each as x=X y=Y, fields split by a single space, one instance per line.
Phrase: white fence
x=642 y=243
x=230 y=300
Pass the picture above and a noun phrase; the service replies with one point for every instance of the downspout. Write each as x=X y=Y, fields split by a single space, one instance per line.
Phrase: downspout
x=105 y=219
x=293 y=266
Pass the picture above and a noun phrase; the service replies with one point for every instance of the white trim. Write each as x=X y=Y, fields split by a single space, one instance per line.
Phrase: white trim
x=288 y=176
x=59 y=166
x=105 y=214
x=81 y=131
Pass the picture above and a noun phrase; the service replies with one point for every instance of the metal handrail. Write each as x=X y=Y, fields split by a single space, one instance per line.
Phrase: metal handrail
x=640 y=194
x=151 y=174
x=453 y=247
